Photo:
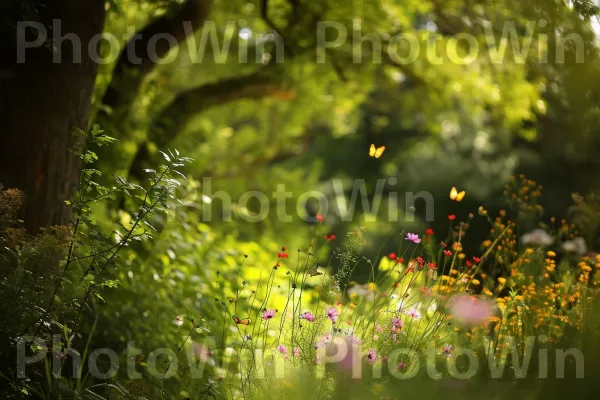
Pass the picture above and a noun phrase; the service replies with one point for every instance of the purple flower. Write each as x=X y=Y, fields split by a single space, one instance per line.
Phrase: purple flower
x=396 y=324
x=268 y=314
x=413 y=237
x=310 y=317
x=332 y=314
x=448 y=350
x=372 y=356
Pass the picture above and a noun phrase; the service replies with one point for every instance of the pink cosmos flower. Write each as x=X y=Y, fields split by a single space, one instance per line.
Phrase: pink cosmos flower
x=372 y=356
x=332 y=314
x=469 y=309
x=413 y=237
x=310 y=317
x=203 y=353
x=283 y=350
x=268 y=314
x=413 y=312
x=347 y=350
x=326 y=339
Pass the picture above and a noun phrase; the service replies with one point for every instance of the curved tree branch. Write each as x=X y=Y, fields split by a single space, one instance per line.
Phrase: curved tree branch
x=135 y=62
x=187 y=104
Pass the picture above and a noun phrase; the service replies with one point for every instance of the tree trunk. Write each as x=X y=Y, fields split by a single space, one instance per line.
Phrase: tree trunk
x=41 y=103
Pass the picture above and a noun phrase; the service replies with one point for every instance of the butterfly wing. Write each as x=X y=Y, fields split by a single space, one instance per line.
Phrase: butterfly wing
x=314 y=272
x=453 y=193
x=372 y=150
x=241 y=321
x=460 y=196
x=379 y=151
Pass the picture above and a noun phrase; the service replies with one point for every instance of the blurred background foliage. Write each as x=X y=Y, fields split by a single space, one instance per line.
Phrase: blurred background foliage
x=255 y=125
x=302 y=123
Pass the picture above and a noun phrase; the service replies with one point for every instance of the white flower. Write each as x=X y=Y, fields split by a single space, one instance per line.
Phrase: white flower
x=537 y=237
x=576 y=245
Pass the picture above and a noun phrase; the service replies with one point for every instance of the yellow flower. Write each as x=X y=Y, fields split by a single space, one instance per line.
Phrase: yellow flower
x=475 y=282
x=372 y=286
x=551 y=254
x=502 y=281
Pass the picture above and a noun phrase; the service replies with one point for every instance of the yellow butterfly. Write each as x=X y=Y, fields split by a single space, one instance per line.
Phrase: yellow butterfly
x=376 y=151
x=456 y=195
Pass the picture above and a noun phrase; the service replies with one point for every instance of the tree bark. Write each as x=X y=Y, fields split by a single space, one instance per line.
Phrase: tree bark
x=41 y=104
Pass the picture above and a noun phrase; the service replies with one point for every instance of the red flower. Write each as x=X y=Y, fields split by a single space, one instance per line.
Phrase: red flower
x=448 y=253
x=420 y=260
x=451 y=217
x=432 y=265
x=392 y=256
x=429 y=231
x=282 y=255
x=444 y=245
x=282 y=248
x=330 y=238
x=477 y=260
x=320 y=217
x=469 y=264
x=400 y=260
